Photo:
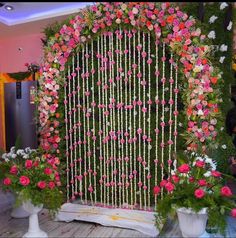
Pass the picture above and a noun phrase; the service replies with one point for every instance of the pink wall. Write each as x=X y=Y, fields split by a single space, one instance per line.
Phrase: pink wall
x=12 y=59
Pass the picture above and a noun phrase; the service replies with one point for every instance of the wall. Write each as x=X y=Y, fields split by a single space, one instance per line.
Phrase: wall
x=12 y=59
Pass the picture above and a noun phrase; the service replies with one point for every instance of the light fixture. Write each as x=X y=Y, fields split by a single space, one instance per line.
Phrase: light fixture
x=9 y=7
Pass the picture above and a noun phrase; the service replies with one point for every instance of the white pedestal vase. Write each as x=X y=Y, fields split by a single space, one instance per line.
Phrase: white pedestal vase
x=34 y=230
x=192 y=224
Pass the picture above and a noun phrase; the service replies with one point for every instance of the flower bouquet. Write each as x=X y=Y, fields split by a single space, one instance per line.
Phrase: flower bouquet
x=196 y=187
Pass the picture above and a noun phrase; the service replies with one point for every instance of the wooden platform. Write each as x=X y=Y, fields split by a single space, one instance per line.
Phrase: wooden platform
x=10 y=227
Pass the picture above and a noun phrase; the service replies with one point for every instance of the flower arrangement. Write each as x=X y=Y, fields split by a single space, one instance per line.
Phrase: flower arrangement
x=196 y=184
x=33 y=178
x=32 y=67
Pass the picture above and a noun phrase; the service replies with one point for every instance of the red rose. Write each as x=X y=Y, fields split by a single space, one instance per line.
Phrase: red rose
x=199 y=193
x=163 y=183
x=233 y=212
x=169 y=186
x=202 y=182
x=156 y=190
x=14 y=169
x=7 y=181
x=191 y=179
x=200 y=163
x=24 y=180
x=184 y=168
x=225 y=191
x=175 y=178
x=215 y=173
x=47 y=171
x=41 y=184
x=51 y=185
x=28 y=164
x=36 y=163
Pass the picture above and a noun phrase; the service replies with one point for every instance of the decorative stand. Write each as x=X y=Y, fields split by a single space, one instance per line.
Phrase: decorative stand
x=34 y=229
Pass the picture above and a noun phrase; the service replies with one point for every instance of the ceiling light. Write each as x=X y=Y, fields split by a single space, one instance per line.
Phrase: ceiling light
x=9 y=8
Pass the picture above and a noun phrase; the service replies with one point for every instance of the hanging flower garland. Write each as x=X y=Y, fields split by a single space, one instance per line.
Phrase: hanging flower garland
x=163 y=21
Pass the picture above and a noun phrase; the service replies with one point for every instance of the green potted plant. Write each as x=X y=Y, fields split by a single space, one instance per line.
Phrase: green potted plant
x=36 y=181
x=197 y=193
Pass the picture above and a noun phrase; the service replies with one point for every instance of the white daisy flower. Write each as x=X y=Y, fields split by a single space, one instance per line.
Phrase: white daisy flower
x=212 y=35
x=221 y=60
x=223 y=5
x=229 y=27
x=212 y=19
x=223 y=48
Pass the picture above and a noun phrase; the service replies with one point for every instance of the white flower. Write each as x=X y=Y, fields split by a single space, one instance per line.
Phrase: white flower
x=221 y=60
x=229 y=27
x=224 y=147
x=200 y=113
x=222 y=128
x=13 y=156
x=12 y=149
x=212 y=35
x=20 y=152
x=223 y=5
x=223 y=47
x=207 y=174
x=25 y=156
x=212 y=19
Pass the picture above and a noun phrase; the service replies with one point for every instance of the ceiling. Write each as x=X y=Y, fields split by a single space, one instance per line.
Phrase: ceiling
x=33 y=17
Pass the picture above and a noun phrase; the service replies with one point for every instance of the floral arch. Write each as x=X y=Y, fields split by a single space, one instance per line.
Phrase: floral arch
x=82 y=52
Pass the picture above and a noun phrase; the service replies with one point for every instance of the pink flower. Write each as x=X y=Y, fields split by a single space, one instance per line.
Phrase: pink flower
x=41 y=184
x=51 y=185
x=233 y=212
x=175 y=178
x=24 y=180
x=215 y=173
x=163 y=183
x=7 y=181
x=47 y=171
x=169 y=186
x=225 y=191
x=200 y=163
x=28 y=164
x=199 y=193
x=202 y=182
x=184 y=168
x=14 y=169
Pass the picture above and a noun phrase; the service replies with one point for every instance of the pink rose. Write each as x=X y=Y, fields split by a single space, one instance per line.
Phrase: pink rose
x=14 y=169
x=233 y=212
x=169 y=186
x=175 y=178
x=215 y=173
x=191 y=179
x=202 y=182
x=24 y=180
x=225 y=191
x=7 y=181
x=28 y=164
x=163 y=183
x=156 y=190
x=51 y=184
x=200 y=163
x=41 y=184
x=47 y=171
x=184 y=168
x=199 y=193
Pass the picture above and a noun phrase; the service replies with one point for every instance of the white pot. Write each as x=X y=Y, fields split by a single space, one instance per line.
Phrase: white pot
x=192 y=224
x=34 y=230
x=19 y=212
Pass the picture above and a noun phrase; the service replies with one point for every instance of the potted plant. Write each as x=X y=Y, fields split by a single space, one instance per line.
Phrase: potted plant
x=37 y=183
x=196 y=192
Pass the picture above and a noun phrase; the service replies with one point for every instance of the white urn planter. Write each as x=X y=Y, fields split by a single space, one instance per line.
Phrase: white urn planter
x=192 y=224
x=34 y=229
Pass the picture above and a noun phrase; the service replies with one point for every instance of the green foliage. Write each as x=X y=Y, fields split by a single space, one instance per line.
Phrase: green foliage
x=19 y=76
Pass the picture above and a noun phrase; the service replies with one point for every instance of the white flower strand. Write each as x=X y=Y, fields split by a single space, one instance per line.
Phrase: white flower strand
x=139 y=124
x=149 y=116
x=131 y=159
x=163 y=117
x=84 y=126
x=134 y=119
x=71 y=140
x=157 y=113
x=94 y=129
x=171 y=112
x=100 y=120
x=144 y=126
x=75 y=130
x=67 y=145
x=79 y=119
x=126 y=123
x=118 y=121
x=88 y=124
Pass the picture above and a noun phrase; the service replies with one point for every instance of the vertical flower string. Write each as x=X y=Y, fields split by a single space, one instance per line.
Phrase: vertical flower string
x=67 y=144
x=131 y=159
x=163 y=114
x=170 y=142
x=80 y=177
x=94 y=128
x=176 y=90
x=74 y=165
x=157 y=111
